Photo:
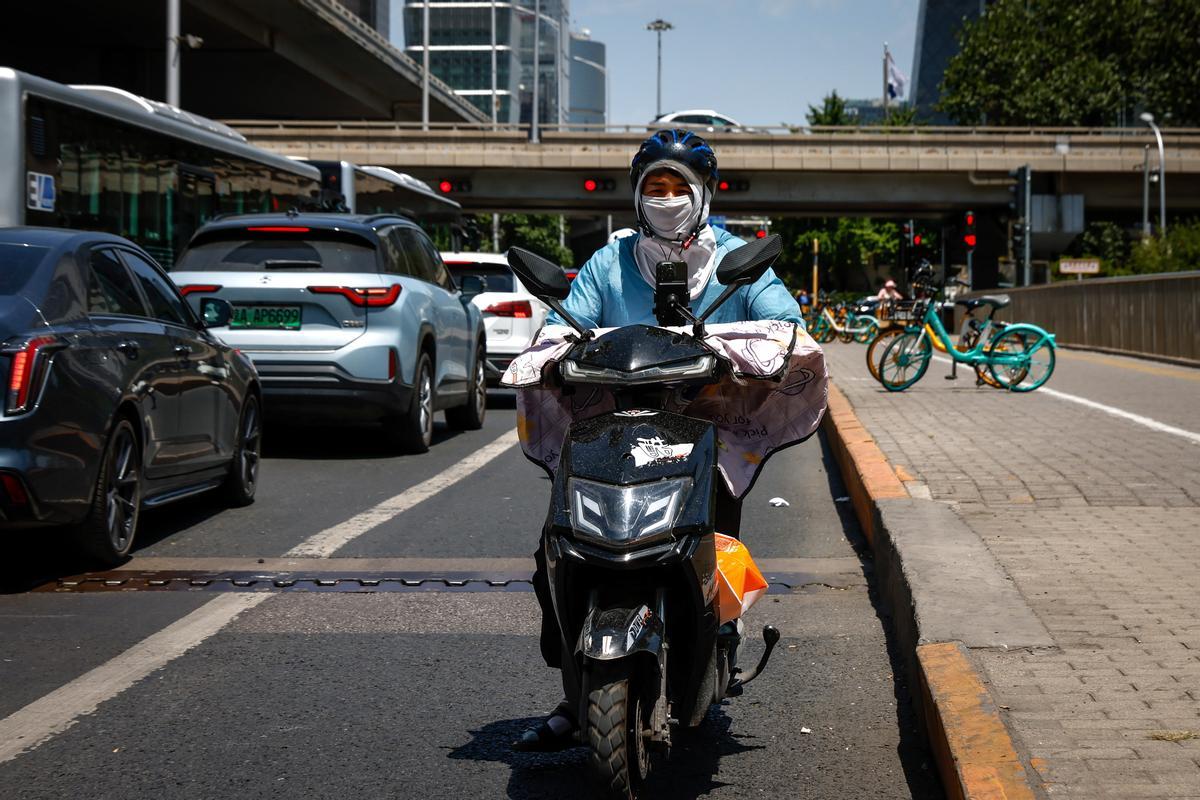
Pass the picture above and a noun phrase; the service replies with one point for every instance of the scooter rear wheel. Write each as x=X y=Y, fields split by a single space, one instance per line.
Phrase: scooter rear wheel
x=618 y=758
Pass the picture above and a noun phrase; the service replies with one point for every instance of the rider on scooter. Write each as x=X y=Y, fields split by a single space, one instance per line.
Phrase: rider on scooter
x=674 y=179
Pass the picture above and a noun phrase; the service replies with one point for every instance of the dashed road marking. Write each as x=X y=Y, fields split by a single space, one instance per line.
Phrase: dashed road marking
x=1152 y=424
x=327 y=542
x=50 y=715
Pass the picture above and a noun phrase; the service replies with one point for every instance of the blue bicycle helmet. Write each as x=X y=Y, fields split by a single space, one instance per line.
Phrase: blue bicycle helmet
x=683 y=147
x=676 y=145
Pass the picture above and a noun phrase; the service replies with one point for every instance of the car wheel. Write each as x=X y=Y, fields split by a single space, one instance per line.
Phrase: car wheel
x=106 y=534
x=412 y=432
x=242 y=481
x=469 y=417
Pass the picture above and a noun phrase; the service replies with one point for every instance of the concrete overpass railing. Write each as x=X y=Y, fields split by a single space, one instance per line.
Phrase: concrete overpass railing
x=1144 y=315
x=874 y=150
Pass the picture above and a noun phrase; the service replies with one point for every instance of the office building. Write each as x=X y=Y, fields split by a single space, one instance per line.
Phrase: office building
x=589 y=81
x=938 y=25
x=485 y=51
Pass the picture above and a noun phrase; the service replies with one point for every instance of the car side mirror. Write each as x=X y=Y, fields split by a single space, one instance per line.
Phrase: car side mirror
x=747 y=263
x=543 y=278
x=215 y=312
x=471 y=285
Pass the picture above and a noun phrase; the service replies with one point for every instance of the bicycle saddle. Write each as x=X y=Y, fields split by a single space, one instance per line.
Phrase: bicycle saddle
x=995 y=301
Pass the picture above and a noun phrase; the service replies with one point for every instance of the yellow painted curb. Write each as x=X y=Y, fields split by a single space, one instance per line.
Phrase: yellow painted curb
x=865 y=469
x=974 y=752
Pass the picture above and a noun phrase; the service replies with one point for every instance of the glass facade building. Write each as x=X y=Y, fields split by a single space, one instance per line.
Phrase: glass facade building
x=470 y=40
x=589 y=81
x=938 y=25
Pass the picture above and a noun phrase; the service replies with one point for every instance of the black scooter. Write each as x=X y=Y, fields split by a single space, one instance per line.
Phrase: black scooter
x=629 y=543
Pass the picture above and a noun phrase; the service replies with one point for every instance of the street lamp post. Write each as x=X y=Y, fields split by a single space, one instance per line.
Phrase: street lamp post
x=658 y=26
x=173 y=52
x=1146 y=192
x=1148 y=118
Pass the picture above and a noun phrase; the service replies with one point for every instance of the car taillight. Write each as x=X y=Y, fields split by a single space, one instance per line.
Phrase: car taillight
x=27 y=372
x=571 y=273
x=279 y=229
x=193 y=288
x=519 y=309
x=14 y=489
x=371 y=297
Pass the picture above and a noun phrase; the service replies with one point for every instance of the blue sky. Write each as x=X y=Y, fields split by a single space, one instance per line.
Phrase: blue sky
x=759 y=61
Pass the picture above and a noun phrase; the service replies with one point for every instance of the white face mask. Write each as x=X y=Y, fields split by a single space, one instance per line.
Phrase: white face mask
x=669 y=217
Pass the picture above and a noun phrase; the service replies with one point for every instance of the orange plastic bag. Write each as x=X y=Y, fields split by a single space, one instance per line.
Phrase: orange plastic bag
x=739 y=581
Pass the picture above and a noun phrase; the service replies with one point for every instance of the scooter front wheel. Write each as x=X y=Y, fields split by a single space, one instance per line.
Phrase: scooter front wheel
x=617 y=755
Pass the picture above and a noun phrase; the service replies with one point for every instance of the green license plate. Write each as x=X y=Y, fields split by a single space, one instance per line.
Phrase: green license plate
x=285 y=317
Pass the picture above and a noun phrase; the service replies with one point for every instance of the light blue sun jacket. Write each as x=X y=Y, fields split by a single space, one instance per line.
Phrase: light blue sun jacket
x=610 y=292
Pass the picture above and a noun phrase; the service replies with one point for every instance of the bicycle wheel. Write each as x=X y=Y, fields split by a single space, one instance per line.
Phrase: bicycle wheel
x=877 y=346
x=822 y=331
x=866 y=334
x=905 y=361
x=1020 y=360
x=983 y=374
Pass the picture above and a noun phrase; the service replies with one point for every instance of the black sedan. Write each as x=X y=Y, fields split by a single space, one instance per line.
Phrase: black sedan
x=118 y=398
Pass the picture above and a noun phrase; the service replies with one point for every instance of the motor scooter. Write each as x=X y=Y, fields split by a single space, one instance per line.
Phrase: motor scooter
x=629 y=542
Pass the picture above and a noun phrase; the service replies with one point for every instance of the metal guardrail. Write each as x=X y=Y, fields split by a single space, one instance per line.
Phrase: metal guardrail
x=1146 y=315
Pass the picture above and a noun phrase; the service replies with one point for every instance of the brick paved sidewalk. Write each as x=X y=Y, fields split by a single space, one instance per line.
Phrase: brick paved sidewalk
x=1096 y=521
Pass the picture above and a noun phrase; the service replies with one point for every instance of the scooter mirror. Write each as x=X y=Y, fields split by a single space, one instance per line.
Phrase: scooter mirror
x=543 y=278
x=747 y=263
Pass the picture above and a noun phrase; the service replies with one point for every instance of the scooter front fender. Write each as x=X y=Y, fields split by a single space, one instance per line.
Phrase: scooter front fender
x=612 y=633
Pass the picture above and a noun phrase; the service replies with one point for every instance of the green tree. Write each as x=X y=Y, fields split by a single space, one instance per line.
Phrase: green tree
x=1106 y=241
x=831 y=112
x=536 y=232
x=900 y=117
x=1065 y=62
x=1178 y=251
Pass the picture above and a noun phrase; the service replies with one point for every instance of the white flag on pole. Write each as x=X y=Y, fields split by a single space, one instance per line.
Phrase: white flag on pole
x=897 y=81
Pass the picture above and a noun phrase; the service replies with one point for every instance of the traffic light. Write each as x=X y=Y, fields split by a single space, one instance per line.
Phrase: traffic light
x=725 y=185
x=916 y=240
x=906 y=233
x=454 y=185
x=760 y=234
x=968 y=234
x=599 y=184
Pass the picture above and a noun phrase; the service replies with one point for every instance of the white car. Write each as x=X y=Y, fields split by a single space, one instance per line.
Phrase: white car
x=699 y=119
x=511 y=314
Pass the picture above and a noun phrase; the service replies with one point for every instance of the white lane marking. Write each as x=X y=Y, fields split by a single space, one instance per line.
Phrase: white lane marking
x=328 y=541
x=52 y=714
x=1152 y=424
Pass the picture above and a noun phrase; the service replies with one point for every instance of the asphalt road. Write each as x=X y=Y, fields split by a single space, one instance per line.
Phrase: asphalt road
x=418 y=693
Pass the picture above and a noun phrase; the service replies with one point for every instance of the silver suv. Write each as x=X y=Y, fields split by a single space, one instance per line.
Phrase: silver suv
x=348 y=318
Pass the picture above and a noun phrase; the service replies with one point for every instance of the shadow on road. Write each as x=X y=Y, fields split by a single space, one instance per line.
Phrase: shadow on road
x=689 y=772
x=923 y=783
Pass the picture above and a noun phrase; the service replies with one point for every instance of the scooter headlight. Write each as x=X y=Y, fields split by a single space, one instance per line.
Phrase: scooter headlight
x=700 y=367
x=620 y=516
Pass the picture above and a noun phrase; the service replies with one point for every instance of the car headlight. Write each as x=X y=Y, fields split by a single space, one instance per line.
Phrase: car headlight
x=622 y=515
x=699 y=367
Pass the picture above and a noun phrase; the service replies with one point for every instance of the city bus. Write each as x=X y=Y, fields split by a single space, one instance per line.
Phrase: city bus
x=100 y=158
x=346 y=186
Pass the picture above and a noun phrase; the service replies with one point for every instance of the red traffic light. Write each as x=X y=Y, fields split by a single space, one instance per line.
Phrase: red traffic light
x=446 y=187
x=917 y=239
x=723 y=186
x=760 y=234
x=589 y=185
x=969 y=240
x=970 y=219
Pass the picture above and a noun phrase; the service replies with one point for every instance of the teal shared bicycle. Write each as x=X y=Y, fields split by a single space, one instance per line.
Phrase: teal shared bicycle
x=1019 y=357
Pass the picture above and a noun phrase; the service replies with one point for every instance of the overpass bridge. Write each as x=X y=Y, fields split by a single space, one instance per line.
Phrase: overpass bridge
x=797 y=171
